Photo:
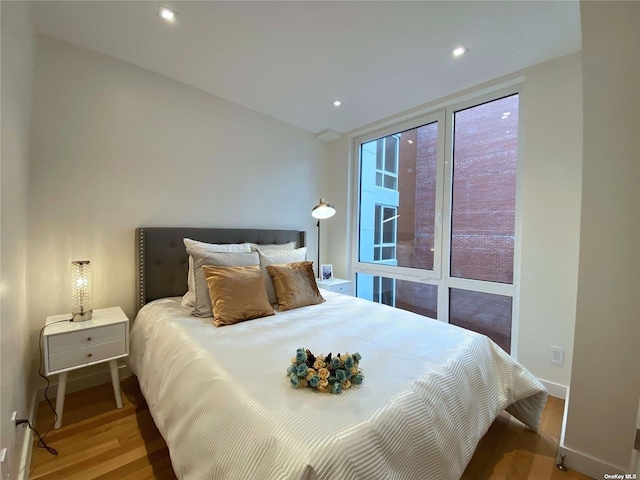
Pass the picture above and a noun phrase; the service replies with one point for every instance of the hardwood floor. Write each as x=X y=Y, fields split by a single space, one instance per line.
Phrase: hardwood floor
x=98 y=441
x=509 y=450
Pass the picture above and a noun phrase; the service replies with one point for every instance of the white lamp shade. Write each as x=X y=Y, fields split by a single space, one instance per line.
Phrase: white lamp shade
x=323 y=210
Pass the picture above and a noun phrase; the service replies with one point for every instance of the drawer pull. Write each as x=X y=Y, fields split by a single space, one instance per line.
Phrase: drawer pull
x=89 y=355
x=88 y=339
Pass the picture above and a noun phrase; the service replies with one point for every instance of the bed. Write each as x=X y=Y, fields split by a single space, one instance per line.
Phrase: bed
x=222 y=401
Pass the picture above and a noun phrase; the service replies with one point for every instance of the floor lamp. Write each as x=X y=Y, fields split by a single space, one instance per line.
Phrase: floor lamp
x=321 y=211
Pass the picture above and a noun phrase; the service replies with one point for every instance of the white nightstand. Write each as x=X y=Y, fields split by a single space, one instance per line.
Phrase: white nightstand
x=337 y=285
x=72 y=345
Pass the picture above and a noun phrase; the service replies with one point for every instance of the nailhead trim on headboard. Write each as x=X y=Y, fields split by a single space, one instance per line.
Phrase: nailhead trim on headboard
x=141 y=300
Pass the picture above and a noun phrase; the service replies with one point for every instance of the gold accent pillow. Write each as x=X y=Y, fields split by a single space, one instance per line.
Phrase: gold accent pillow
x=237 y=294
x=295 y=285
x=278 y=257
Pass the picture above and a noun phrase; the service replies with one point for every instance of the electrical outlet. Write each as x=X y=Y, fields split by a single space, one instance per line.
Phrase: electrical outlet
x=557 y=355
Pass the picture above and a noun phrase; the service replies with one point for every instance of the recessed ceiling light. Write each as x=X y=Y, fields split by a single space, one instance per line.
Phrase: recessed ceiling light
x=461 y=50
x=167 y=14
x=337 y=103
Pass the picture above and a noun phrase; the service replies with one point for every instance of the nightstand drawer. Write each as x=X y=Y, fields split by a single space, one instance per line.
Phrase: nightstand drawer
x=344 y=288
x=337 y=285
x=86 y=338
x=82 y=356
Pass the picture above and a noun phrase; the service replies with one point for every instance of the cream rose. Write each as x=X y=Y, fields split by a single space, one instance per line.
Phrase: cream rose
x=318 y=364
x=346 y=384
x=323 y=373
x=310 y=373
x=353 y=370
x=303 y=383
x=323 y=383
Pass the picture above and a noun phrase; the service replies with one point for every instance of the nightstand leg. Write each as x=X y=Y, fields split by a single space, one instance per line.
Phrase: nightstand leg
x=115 y=379
x=62 y=390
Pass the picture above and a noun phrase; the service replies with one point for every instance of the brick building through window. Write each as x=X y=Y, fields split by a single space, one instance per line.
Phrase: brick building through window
x=399 y=179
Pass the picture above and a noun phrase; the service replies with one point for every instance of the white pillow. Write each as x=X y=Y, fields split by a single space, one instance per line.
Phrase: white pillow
x=202 y=307
x=189 y=298
x=274 y=246
x=278 y=257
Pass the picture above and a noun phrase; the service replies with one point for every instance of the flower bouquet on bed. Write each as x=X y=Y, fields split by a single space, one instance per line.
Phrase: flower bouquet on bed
x=325 y=374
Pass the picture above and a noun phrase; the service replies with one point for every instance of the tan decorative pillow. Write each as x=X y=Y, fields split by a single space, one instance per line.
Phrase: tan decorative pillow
x=237 y=294
x=295 y=285
x=277 y=257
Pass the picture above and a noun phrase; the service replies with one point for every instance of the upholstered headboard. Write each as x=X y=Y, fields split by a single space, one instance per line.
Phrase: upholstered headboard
x=163 y=262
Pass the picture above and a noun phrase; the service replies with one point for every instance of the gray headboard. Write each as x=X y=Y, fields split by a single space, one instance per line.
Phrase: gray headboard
x=163 y=262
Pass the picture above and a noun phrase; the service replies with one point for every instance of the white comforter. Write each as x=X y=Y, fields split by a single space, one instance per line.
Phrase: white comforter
x=222 y=401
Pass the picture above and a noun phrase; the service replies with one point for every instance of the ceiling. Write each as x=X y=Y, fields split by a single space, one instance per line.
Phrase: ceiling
x=290 y=60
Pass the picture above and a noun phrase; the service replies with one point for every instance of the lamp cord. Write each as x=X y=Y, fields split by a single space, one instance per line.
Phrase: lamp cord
x=41 y=442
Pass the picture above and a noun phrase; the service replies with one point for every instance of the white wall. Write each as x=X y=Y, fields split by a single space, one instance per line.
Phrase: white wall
x=551 y=191
x=551 y=113
x=18 y=51
x=605 y=381
x=116 y=147
x=338 y=228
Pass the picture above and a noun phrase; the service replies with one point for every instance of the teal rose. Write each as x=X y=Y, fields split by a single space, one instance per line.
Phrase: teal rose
x=294 y=381
x=341 y=375
x=314 y=381
x=336 y=388
x=301 y=371
x=357 y=357
x=348 y=363
x=357 y=379
x=335 y=362
x=292 y=369
x=301 y=355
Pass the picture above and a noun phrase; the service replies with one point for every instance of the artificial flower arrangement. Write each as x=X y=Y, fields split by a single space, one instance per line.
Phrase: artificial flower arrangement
x=326 y=374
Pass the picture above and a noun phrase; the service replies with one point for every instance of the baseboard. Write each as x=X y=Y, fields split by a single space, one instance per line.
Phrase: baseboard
x=27 y=442
x=82 y=383
x=555 y=389
x=588 y=465
x=582 y=462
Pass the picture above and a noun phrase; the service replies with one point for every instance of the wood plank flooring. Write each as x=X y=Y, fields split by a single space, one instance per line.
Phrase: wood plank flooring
x=98 y=441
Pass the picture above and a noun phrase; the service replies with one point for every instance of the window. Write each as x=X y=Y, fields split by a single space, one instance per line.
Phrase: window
x=399 y=223
x=384 y=236
x=436 y=222
x=415 y=297
x=387 y=162
x=485 y=152
x=384 y=290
